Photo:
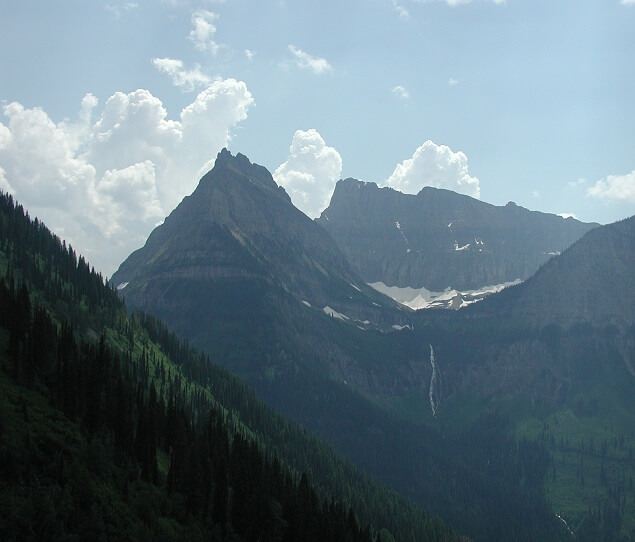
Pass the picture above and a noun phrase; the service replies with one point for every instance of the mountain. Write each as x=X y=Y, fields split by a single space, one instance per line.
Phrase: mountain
x=556 y=354
x=239 y=235
x=112 y=427
x=571 y=323
x=439 y=239
x=593 y=281
x=502 y=423
x=240 y=273
x=238 y=270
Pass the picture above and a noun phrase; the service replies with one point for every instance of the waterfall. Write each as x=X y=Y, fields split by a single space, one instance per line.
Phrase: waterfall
x=566 y=525
x=433 y=384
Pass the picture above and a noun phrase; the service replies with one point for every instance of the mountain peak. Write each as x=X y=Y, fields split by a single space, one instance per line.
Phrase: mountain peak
x=238 y=235
x=226 y=158
x=242 y=167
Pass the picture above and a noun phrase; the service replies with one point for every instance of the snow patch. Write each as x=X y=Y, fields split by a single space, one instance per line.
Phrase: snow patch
x=399 y=328
x=355 y=287
x=122 y=285
x=306 y=303
x=556 y=253
x=403 y=235
x=457 y=247
x=334 y=314
x=422 y=298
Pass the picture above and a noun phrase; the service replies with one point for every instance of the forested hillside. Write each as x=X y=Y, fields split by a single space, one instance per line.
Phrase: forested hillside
x=112 y=427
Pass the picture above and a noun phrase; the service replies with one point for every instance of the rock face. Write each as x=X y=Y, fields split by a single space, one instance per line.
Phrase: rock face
x=439 y=239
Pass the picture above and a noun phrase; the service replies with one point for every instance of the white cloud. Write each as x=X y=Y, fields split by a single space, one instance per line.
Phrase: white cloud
x=310 y=173
x=4 y=184
x=536 y=193
x=578 y=182
x=453 y=82
x=118 y=10
x=307 y=62
x=188 y=80
x=403 y=13
x=104 y=185
x=401 y=92
x=434 y=165
x=250 y=54
x=627 y=2
x=614 y=187
x=202 y=35
x=567 y=215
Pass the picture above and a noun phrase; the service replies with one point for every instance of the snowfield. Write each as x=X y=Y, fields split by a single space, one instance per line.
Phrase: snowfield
x=422 y=298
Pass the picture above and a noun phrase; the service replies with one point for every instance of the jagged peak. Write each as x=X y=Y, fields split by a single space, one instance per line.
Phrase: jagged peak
x=226 y=159
x=241 y=165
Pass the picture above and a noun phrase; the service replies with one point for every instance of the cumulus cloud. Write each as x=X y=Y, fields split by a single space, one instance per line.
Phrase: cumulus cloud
x=310 y=173
x=567 y=215
x=202 y=35
x=104 y=185
x=188 y=80
x=401 y=92
x=614 y=187
x=249 y=54
x=627 y=2
x=437 y=166
x=307 y=62
x=4 y=184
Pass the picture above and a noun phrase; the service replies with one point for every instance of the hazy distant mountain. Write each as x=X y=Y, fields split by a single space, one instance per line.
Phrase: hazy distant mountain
x=439 y=239
x=592 y=281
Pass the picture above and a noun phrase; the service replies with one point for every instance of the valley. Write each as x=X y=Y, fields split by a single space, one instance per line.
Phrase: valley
x=317 y=271
x=520 y=403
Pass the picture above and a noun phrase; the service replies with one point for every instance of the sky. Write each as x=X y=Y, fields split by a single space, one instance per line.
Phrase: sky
x=111 y=111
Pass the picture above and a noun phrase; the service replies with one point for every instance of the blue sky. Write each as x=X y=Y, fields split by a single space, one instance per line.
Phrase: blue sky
x=111 y=111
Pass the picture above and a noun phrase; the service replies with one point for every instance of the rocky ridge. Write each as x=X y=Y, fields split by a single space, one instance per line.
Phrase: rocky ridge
x=439 y=239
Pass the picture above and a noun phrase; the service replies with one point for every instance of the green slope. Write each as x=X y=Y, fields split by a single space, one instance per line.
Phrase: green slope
x=93 y=450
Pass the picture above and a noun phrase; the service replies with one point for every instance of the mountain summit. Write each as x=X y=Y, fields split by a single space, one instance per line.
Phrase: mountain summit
x=239 y=246
x=439 y=239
